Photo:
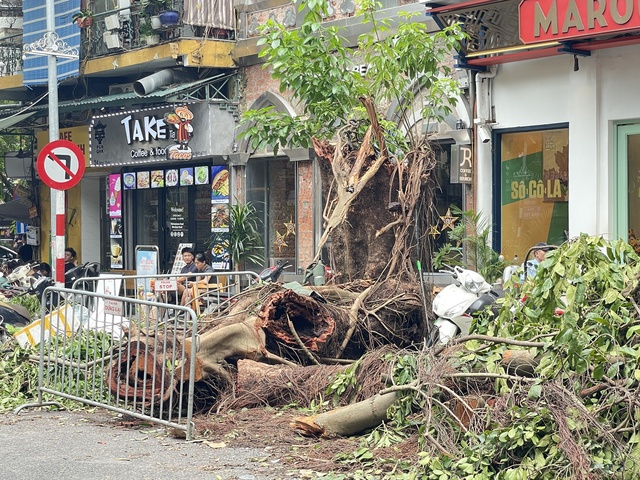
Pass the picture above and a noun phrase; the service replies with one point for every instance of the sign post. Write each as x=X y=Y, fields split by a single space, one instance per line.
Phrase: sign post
x=51 y=46
x=60 y=166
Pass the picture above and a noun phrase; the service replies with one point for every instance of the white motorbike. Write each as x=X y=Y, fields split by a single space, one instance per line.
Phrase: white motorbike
x=456 y=303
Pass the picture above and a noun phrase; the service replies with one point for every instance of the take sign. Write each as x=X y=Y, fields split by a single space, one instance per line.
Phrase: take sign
x=61 y=164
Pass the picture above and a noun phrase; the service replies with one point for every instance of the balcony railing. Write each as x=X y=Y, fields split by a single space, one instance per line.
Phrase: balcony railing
x=138 y=27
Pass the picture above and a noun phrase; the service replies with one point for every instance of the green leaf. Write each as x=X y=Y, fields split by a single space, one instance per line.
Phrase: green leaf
x=534 y=392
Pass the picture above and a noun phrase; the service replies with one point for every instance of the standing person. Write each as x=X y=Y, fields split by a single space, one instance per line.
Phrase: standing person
x=200 y=281
x=539 y=254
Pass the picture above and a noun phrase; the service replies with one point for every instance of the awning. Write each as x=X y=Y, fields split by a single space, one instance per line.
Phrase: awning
x=13 y=119
x=17 y=210
x=172 y=93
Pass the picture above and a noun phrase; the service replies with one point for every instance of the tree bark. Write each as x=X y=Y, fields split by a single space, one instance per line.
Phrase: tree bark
x=349 y=420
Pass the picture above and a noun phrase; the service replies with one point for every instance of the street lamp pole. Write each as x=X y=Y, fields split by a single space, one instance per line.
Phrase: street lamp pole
x=51 y=46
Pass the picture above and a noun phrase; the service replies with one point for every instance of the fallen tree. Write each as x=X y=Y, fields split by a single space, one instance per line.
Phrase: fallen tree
x=561 y=409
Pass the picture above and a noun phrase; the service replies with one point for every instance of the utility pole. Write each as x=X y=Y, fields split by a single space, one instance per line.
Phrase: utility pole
x=51 y=46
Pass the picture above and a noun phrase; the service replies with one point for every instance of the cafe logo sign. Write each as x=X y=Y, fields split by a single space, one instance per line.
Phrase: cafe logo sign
x=544 y=20
x=180 y=118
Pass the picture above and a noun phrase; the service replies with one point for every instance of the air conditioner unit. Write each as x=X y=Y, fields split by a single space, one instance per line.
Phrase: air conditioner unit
x=121 y=88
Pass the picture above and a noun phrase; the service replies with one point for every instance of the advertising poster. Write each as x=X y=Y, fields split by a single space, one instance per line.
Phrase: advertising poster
x=116 y=253
x=220 y=257
x=534 y=189
x=220 y=217
x=115 y=196
x=115 y=221
x=219 y=184
x=146 y=264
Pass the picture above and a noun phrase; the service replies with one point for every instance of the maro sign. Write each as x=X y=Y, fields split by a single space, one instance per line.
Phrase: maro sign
x=545 y=20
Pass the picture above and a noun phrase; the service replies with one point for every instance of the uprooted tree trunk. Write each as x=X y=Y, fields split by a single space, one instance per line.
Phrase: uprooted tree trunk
x=292 y=329
x=371 y=202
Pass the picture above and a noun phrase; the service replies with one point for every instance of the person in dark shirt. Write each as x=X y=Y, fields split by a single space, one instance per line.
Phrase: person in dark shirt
x=70 y=262
x=25 y=253
x=189 y=267
x=201 y=282
x=70 y=259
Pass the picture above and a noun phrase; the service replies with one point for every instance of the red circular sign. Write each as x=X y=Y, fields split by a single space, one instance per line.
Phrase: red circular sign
x=61 y=164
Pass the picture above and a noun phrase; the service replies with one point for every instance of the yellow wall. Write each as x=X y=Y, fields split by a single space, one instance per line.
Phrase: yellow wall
x=77 y=135
x=73 y=233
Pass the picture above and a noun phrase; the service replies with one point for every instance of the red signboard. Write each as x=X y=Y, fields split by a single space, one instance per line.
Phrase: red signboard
x=544 y=20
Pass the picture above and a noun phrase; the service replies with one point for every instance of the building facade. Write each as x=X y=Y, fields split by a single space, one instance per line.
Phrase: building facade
x=556 y=127
x=155 y=108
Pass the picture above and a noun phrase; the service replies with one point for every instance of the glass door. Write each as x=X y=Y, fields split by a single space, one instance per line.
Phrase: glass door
x=628 y=184
x=176 y=229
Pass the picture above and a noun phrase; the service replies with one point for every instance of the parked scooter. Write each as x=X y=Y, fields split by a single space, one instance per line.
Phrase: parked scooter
x=272 y=274
x=318 y=274
x=456 y=303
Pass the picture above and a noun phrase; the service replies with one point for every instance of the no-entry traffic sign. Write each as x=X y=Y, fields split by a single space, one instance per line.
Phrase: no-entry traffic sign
x=61 y=164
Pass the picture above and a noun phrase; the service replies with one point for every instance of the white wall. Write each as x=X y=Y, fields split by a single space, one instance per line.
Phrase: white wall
x=602 y=92
x=90 y=219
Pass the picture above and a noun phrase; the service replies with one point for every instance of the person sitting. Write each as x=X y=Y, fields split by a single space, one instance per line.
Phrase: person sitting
x=189 y=267
x=539 y=254
x=200 y=282
x=70 y=262
x=25 y=253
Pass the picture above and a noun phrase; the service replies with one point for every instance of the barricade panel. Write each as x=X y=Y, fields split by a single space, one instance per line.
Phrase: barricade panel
x=132 y=352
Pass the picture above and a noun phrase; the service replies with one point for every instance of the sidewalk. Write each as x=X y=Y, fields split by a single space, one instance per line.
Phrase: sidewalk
x=99 y=445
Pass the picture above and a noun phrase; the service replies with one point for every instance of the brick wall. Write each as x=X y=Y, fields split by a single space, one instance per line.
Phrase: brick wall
x=305 y=213
x=284 y=207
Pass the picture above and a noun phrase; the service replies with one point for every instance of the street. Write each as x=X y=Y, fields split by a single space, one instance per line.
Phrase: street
x=98 y=445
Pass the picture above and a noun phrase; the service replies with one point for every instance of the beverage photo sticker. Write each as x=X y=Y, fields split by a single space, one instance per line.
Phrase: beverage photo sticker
x=202 y=175
x=143 y=180
x=117 y=258
x=116 y=227
x=186 y=176
x=171 y=177
x=129 y=180
x=157 y=178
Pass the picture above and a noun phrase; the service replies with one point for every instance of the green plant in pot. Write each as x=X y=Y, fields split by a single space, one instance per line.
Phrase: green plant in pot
x=83 y=18
x=154 y=7
x=245 y=240
x=146 y=32
x=471 y=235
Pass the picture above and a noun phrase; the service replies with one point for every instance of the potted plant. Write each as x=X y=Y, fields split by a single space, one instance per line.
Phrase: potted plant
x=153 y=7
x=169 y=18
x=245 y=245
x=147 y=32
x=83 y=18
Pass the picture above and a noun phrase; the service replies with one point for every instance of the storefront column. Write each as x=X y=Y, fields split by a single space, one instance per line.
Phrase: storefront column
x=588 y=170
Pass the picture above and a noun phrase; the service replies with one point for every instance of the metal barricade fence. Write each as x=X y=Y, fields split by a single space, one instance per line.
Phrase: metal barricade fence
x=137 y=356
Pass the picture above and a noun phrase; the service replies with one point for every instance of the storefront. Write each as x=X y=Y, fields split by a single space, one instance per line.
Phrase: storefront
x=173 y=185
x=557 y=125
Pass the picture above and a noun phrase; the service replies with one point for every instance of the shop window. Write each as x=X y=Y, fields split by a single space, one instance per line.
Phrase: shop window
x=533 y=172
x=447 y=195
x=271 y=187
x=628 y=184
